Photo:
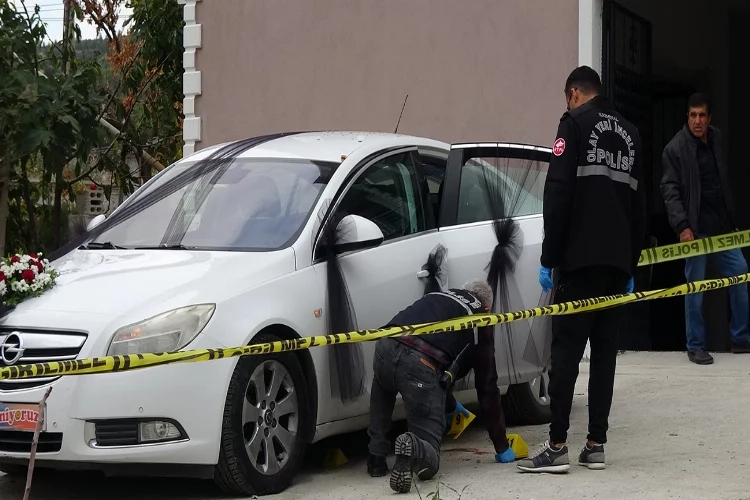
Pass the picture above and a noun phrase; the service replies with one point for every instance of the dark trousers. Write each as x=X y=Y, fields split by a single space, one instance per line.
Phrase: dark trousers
x=569 y=336
x=400 y=369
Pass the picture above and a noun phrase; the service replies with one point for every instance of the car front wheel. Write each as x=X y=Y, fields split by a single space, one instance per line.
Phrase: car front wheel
x=529 y=403
x=266 y=413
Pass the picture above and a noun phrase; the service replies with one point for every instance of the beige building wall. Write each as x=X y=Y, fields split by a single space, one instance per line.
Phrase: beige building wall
x=473 y=69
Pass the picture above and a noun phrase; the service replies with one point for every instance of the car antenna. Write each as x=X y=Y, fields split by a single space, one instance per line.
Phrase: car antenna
x=402 y=114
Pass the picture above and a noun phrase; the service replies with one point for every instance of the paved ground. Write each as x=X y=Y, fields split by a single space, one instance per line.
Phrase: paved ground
x=677 y=431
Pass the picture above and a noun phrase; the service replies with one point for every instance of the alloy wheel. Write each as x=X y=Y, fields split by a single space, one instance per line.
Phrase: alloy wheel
x=270 y=417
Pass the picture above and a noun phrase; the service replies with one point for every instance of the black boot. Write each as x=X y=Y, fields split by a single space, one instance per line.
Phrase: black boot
x=700 y=357
x=377 y=466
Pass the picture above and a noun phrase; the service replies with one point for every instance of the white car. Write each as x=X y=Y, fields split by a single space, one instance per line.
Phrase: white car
x=237 y=255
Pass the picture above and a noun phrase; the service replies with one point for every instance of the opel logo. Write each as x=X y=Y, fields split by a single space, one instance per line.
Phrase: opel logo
x=11 y=349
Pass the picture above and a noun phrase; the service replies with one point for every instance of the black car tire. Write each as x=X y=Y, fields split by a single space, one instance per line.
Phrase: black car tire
x=235 y=473
x=528 y=403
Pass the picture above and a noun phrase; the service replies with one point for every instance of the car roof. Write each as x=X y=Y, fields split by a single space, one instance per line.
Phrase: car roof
x=331 y=146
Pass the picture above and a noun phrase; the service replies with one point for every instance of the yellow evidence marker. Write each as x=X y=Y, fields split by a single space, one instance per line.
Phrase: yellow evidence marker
x=519 y=446
x=334 y=458
x=459 y=423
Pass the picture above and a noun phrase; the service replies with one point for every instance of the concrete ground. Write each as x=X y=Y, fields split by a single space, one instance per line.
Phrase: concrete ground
x=677 y=431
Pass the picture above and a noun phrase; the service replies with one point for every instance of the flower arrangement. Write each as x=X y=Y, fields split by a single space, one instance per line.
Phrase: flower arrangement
x=24 y=276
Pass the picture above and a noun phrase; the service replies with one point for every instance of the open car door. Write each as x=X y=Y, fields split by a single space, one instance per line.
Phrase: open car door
x=491 y=222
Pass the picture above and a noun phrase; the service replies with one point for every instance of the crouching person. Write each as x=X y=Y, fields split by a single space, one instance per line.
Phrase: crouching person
x=422 y=369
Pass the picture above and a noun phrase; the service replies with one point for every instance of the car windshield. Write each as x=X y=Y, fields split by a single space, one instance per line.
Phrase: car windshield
x=253 y=205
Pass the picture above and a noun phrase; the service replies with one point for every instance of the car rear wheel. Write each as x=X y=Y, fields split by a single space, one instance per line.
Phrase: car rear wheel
x=529 y=403
x=266 y=415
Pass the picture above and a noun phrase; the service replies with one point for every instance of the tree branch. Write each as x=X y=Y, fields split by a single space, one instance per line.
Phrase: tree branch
x=109 y=102
x=125 y=124
x=28 y=21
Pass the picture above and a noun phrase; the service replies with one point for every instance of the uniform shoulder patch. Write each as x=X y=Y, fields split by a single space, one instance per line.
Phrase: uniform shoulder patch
x=559 y=147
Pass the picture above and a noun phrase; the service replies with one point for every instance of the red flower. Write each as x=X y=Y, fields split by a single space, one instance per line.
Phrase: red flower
x=34 y=256
x=15 y=259
x=39 y=266
x=93 y=187
x=2 y=276
x=28 y=275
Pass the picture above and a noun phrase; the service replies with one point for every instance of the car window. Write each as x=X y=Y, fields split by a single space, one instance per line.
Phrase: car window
x=251 y=204
x=388 y=194
x=434 y=168
x=516 y=186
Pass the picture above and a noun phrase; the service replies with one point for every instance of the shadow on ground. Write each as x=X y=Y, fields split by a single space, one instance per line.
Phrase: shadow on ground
x=63 y=485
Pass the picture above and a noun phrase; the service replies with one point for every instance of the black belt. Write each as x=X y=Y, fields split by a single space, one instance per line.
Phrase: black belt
x=429 y=350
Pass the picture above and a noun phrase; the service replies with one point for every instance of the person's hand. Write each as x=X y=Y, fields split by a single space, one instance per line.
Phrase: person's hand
x=631 y=285
x=459 y=409
x=545 y=278
x=506 y=457
x=687 y=235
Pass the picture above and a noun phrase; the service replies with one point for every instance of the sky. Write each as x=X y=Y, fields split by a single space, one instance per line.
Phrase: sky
x=51 y=12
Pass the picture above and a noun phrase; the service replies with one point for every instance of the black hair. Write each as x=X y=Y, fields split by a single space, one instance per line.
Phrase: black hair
x=698 y=100
x=585 y=79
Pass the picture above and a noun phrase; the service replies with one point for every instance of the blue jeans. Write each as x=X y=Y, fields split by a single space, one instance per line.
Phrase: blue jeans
x=729 y=263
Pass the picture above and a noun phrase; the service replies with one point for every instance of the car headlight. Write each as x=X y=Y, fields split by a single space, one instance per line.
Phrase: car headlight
x=169 y=331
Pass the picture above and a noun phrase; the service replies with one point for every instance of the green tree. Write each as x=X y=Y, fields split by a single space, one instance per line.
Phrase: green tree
x=157 y=28
x=51 y=115
x=146 y=113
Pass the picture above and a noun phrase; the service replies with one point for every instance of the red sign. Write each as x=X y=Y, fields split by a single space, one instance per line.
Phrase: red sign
x=18 y=416
x=559 y=147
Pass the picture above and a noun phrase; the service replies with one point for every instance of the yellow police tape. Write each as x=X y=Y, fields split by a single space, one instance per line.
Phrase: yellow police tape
x=121 y=363
x=705 y=246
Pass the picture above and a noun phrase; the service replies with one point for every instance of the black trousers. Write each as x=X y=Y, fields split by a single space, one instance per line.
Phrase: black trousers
x=569 y=336
x=398 y=369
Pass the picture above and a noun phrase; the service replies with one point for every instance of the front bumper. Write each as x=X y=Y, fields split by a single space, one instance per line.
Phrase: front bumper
x=191 y=394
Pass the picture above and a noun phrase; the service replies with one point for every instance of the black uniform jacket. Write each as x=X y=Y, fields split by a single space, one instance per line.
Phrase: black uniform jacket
x=594 y=195
x=480 y=355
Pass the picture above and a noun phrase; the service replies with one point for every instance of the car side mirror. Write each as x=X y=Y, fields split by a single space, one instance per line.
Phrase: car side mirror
x=96 y=221
x=357 y=233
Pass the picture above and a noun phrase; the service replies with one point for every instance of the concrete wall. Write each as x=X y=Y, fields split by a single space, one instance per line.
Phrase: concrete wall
x=474 y=69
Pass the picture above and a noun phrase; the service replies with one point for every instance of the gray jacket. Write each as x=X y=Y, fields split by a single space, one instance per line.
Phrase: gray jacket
x=680 y=182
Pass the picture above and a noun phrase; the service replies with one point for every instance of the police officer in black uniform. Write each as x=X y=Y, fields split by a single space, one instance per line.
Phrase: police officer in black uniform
x=594 y=229
x=422 y=369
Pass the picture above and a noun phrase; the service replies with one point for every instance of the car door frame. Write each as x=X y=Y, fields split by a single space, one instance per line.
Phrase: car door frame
x=460 y=153
x=449 y=204
x=351 y=178
x=351 y=413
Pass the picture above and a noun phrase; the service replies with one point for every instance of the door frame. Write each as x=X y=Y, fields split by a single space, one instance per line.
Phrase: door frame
x=590 y=30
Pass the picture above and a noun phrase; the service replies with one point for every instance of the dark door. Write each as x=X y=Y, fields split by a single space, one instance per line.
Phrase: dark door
x=627 y=80
x=668 y=317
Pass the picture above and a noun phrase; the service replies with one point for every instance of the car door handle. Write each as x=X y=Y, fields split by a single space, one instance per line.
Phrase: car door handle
x=423 y=273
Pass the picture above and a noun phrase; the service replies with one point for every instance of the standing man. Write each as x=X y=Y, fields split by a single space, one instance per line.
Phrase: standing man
x=696 y=192
x=421 y=369
x=594 y=216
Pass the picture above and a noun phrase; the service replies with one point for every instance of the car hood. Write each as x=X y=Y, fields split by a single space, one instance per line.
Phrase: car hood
x=115 y=282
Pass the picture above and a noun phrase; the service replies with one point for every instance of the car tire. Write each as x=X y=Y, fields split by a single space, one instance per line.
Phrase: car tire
x=255 y=422
x=528 y=403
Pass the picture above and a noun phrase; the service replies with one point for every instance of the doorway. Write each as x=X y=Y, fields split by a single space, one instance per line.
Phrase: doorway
x=652 y=61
